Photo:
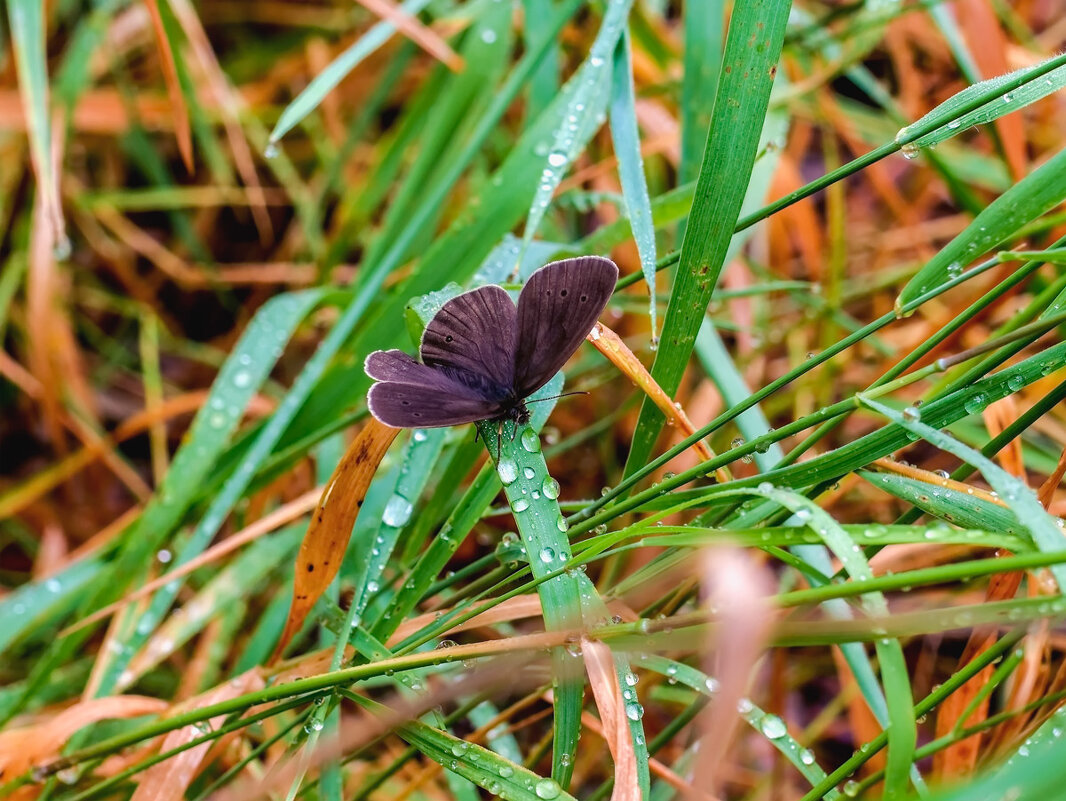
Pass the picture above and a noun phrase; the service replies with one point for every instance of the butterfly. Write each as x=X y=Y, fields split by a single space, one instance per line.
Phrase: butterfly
x=482 y=357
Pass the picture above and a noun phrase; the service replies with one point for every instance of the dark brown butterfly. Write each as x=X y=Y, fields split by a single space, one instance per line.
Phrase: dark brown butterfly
x=482 y=357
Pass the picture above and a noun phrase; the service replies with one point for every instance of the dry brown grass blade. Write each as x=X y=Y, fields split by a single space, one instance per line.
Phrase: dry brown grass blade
x=599 y=664
x=168 y=780
x=182 y=127
x=23 y=748
x=1046 y=493
x=607 y=342
x=988 y=44
x=998 y=416
x=327 y=536
x=414 y=30
x=960 y=759
x=737 y=589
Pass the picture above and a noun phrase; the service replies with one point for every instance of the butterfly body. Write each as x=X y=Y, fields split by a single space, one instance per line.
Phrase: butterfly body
x=482 y=356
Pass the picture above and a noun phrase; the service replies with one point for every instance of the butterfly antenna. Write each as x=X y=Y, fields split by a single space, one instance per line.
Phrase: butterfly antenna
x=553 y=397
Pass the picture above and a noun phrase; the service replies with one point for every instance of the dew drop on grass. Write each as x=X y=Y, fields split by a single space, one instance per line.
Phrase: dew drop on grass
x=529 y=473
x=519 y=505
x=773 y=727
x=547 y=554
x=1015 y=382
x=550 y=488
x=242 y=378
x=530 y=440
x=807 y=756
x=561 y=524
x=507 y=470
x=634 y=711
x=397 y=511
x=547 y=789
x=975 y=404
x=911 y=414
x=506 y=771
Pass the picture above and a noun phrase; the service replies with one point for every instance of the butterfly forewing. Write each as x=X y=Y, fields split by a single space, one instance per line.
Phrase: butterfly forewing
x=475 y=333
x=556 y=310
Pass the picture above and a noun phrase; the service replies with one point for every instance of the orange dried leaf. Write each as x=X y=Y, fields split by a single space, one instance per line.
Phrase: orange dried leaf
x=182 y=128
x=604 y=682
x=170 y=778
x=23 y=748
x=611 y=345
x=327 y=536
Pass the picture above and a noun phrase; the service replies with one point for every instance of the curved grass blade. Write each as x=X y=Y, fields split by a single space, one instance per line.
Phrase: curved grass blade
x=753 y=46
x=1046 y=530
x=326 y=541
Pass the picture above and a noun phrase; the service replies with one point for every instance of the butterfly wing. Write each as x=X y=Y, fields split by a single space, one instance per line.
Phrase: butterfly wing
x=474 y=333
x=557 y=308
x=413 y=395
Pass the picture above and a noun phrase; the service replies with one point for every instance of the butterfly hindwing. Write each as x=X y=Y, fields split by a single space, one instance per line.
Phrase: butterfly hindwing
x=556 y=310
x=423 y=406
x=475 y=333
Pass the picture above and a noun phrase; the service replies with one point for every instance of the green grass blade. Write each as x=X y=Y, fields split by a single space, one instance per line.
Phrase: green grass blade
x=740 y=109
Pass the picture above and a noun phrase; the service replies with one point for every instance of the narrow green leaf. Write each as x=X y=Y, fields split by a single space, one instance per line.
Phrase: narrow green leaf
x=753 y=46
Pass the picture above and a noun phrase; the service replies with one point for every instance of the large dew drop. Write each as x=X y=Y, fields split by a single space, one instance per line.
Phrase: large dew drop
x=550 y=488
x=508 y=470
x=397 y=511
x=530 y=440
x=547 y=789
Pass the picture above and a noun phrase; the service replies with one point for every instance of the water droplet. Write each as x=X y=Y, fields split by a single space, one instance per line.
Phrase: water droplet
x=488 y=36
x=68 y=775
x=460 y=748
x=164 y=556
x=397 y=511
x=445 y=644
x=242 y=378
x=550 y=488
x=711 y=685
x=547 y=789
x=737 y=442
x=271 y=150
x=547 y=554
x=561 y=524
x=530 y=440
x=596 y=332
x=419 y=435
x=807 y=756
x=313 y=725
x=529 y=473
x=910 y=151
x=851 y=789
x=975 y=404
x=1015 y=382
x=911 y=414
x=634 y=711
x=556 y=159
x=519 y=505
x=773 y=727
x=506 y=771
x=954 y=124
x=507 y=470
